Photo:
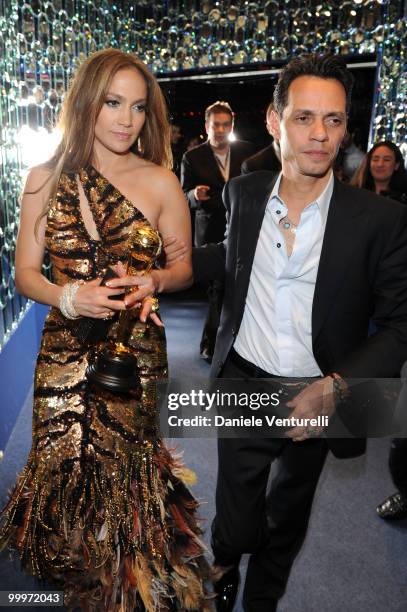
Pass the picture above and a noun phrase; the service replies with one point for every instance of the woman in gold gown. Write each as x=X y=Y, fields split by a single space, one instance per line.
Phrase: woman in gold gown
x=101 y=508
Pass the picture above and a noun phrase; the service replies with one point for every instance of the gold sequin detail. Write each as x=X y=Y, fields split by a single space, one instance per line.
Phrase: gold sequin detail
x=100 y=509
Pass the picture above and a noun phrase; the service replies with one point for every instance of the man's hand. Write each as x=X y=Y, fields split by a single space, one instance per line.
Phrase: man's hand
x=175 y=249
x=201 y=193
x=315 y=400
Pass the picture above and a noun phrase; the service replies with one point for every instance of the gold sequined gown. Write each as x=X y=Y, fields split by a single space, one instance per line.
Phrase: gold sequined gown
x=101 y=508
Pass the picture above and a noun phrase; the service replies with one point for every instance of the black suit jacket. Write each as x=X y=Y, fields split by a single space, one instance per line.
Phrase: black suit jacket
x=199 y=167
x=362 y=276
x=266 y=159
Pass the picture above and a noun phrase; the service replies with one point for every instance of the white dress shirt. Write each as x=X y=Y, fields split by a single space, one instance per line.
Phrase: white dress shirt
x=223 y=162
x=276 y=332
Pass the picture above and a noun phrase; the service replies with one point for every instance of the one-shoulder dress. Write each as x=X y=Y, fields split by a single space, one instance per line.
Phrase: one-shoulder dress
x=102 y=508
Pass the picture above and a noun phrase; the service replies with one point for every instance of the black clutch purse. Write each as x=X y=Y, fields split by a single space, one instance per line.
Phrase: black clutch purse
x=89 y=330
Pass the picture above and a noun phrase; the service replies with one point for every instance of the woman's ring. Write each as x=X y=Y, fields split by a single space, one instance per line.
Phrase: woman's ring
x=155 y=306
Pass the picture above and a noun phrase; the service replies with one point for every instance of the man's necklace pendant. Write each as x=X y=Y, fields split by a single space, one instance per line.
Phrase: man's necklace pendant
x=289 y=225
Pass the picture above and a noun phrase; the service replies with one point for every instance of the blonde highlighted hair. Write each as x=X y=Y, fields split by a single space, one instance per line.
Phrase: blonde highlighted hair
x=82 y=105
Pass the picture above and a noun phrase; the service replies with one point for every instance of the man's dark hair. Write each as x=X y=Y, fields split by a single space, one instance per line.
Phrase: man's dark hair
x=218 y=107
x=321 y=66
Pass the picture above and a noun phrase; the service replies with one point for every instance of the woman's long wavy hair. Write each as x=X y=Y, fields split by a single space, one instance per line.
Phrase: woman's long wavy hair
x=363 y=176
x=82 y=105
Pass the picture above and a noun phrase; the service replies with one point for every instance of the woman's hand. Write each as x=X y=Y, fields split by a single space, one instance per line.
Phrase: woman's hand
x=147 y=306
x=92 y=300
x=141 y=290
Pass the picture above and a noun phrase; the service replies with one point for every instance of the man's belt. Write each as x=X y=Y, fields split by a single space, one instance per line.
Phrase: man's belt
x=248 y=368
x=253 y=371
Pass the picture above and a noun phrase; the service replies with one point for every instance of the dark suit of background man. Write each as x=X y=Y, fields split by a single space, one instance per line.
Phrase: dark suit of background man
x=305 y=314
x=204 y=171
x=268 y=158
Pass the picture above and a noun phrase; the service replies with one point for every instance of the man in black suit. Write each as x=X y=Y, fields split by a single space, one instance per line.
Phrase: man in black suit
x=204 y=172
x=268 y=158
x=307 y=263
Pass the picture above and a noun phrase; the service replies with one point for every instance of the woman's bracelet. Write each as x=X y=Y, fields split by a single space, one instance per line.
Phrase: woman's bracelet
x=66 y=301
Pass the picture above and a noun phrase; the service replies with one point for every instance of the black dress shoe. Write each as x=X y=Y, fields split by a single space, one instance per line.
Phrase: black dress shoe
x=226 y=589
x=393 y=508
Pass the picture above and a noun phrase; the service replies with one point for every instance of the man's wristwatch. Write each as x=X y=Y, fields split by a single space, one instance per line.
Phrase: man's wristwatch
x=341 y=389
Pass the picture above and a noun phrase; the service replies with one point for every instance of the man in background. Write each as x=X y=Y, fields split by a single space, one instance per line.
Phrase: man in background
x=204 y=171
x=177 y=147
x=268 y=158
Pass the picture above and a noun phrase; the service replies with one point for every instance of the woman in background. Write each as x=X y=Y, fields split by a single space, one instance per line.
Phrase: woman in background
x=101 y=508
x=382 y=171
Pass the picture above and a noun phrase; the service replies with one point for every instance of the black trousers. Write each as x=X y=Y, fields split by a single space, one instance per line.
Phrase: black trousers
x=398 y=464
x=271 y=526
x=215 y=299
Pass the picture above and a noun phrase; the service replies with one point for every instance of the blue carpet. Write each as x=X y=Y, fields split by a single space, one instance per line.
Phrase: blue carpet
x=351 y=560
